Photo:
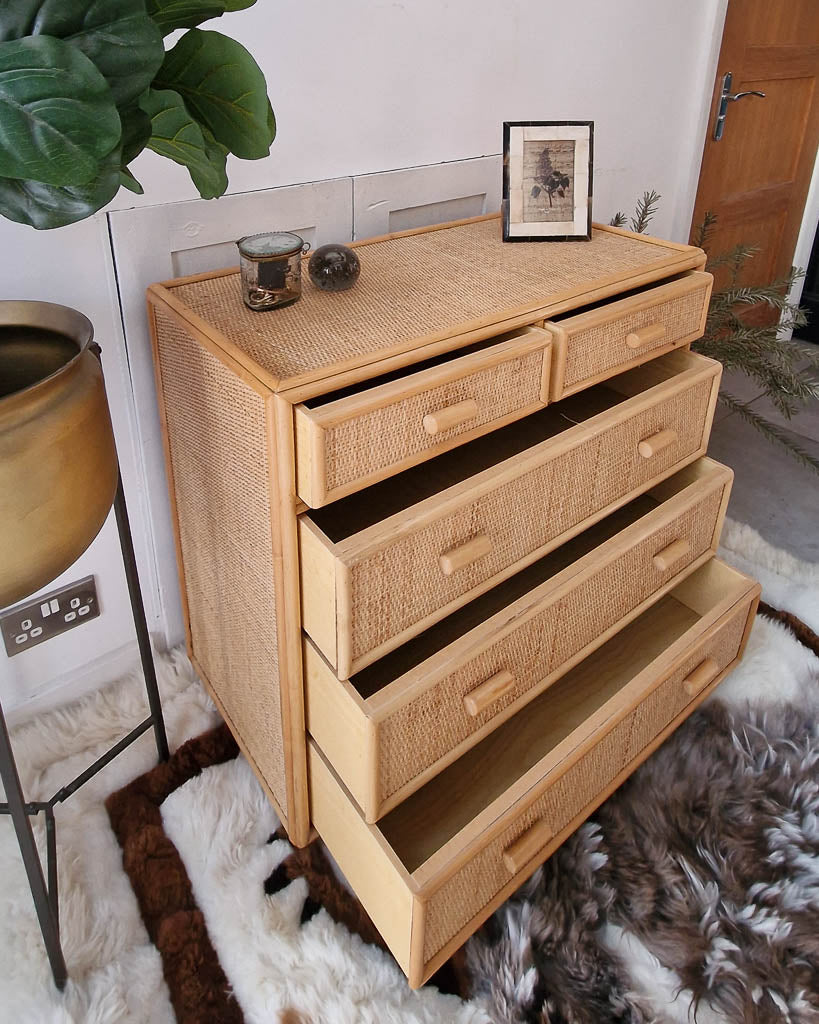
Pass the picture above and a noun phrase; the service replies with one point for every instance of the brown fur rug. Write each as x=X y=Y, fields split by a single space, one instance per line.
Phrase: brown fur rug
x=709 y=855
x=197 y=984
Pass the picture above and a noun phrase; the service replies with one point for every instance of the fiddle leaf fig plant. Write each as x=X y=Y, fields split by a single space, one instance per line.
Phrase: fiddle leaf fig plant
x=87 y=85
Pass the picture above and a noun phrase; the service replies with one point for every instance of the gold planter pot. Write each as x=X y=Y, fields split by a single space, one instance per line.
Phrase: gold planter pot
x=58 y=463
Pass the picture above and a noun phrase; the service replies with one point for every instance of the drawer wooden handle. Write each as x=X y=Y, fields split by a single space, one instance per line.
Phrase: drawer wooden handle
x=452 y=416
x=488 y=692
x=670 y=555
x=651 y=446
x=703 y=674
x=518 y=855
x=645 y=335
x=458 y=558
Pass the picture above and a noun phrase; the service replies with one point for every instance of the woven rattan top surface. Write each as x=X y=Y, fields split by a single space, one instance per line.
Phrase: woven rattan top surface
x=415 y=290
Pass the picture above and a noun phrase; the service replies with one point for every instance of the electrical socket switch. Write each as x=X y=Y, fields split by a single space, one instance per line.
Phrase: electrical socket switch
x=41 y=618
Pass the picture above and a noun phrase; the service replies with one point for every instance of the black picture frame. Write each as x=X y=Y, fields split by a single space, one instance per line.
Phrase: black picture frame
x=518 y=171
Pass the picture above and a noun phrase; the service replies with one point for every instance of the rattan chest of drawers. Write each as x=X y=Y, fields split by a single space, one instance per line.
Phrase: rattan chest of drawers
x=446 y=547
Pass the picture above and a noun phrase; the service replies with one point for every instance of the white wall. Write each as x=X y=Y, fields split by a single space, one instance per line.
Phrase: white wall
x=361 y=88
x=375 y=86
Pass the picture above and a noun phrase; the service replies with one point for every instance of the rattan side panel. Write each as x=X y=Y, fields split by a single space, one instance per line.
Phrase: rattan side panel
x=386 y=436
x=470 y=889
x=402 y=584
x=220 y=459
x=602 y=348
x=426 y=729
x=410 y=288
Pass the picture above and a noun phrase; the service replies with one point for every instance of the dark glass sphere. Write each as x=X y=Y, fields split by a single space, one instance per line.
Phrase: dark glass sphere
x=334 y=267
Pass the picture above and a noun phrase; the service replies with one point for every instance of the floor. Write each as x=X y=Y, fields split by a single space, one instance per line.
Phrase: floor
x=772 y=491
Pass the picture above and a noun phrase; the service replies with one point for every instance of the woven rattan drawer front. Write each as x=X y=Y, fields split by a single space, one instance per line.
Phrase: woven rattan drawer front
x=435 y=867
x=578 y=790
x=367 y=593
x=604 y=341
x=398 y=736
x=347 y=443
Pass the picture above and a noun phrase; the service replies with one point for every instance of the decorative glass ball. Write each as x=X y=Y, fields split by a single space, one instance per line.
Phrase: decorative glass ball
x=334 y=267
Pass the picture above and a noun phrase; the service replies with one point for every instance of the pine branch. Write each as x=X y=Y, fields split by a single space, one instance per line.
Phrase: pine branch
x=619 y=220
x=646 y=208
x=807 y=353
x=769 y=430
x=739 y=253
x=702 y=231
x=774 y=294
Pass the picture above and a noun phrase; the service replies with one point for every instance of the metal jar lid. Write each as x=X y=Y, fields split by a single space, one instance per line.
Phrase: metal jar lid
x=267 y=244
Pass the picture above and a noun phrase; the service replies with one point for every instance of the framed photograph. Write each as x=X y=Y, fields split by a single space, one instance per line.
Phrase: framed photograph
x=547 y=180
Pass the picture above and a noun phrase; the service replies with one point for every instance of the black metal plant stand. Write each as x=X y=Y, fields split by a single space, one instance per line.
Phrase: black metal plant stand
x=45 y=893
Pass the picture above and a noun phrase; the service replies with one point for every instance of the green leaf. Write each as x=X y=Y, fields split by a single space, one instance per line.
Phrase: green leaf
x=223 y=88
x=173 y=14
x=57 y=117
x=116 y=35
x=51 y=206
x=177 y=135
x=271 y=121
x=127 y=180
x=136 y=130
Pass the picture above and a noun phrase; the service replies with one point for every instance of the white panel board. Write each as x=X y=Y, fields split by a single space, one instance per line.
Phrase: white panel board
x=157 y=243
x=420 y=196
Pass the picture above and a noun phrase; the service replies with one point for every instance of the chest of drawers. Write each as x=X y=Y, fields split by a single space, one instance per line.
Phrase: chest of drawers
x=446 y=544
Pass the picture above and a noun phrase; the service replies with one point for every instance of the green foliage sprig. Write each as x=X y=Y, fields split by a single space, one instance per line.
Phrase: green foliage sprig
x=87 y=85
x=645 y=209
x=764 y=352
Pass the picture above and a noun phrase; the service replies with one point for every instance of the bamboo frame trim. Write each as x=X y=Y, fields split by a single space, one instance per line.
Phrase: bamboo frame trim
x=279 y=416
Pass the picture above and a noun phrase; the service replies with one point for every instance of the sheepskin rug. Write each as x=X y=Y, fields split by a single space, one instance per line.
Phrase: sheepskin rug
x=282 y=970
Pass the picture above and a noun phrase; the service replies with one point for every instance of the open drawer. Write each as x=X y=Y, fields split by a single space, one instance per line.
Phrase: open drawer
x=351 y=438
x=612 y=336
x=432 y=870
x=382 y=565
x=391 y=727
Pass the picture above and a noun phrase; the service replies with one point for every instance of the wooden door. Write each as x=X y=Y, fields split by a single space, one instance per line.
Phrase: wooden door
x=756 y=178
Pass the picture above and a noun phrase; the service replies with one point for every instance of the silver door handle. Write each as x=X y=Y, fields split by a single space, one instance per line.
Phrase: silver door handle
x=727 y=97
x=750 y=92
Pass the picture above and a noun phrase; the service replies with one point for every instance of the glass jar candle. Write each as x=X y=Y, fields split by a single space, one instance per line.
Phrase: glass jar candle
x=270 y=265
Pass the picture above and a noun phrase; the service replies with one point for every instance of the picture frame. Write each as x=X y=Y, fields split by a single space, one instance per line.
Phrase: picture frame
x=547 y=180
